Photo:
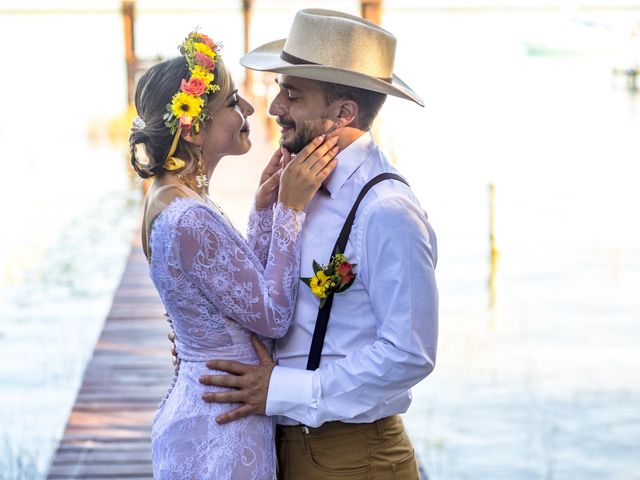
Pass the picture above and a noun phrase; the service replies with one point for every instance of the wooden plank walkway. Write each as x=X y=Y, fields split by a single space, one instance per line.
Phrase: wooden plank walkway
x=108 y=431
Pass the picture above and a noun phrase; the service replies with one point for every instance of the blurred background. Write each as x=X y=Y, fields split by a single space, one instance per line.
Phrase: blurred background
x=525 y=158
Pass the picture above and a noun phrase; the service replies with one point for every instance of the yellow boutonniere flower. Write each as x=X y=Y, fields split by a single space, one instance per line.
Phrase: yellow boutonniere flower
x=318 y=284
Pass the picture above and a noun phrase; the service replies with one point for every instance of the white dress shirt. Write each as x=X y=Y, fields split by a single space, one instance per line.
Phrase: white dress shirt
x=382 y=333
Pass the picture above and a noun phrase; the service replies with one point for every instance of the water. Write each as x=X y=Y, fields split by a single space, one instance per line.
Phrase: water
x=545 y=385
x=67 y=219
x=542 y=386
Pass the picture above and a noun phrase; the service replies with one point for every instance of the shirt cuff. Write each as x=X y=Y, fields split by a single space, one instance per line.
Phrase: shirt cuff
x=289 y=389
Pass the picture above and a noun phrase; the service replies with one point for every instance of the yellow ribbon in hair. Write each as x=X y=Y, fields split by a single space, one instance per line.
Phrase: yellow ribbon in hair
x=174 y=163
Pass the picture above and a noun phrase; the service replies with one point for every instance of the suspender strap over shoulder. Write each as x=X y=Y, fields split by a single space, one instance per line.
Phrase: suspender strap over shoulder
x=322 y=319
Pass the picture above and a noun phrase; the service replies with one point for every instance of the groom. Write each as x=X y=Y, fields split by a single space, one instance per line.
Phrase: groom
x=341 y=418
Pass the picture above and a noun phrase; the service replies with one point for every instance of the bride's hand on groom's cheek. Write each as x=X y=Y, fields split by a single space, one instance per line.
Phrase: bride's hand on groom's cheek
x=267 y=192
x=250 y=384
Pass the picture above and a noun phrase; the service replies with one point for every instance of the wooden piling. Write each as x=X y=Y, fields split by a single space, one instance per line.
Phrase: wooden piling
x=493 y=249
x=371 y=10
x=128 y=17
x=247 y=11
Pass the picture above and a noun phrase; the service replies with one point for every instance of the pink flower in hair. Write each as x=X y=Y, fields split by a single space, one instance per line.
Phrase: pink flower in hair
x=208 y=42
x=204 y=61
x=185 y=122
x=195 y=86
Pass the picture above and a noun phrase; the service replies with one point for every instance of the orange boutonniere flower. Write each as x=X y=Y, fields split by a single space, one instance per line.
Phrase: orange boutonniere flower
x=336 y=277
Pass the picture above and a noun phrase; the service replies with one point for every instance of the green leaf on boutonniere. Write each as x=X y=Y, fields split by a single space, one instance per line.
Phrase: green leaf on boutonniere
x=317 y=267
x=306 y=281
x=322 y=302
x=346 y=285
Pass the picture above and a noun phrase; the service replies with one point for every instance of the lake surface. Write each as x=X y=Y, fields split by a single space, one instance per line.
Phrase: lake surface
x=544 y=385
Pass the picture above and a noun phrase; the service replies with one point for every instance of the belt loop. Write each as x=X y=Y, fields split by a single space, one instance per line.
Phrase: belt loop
x=304 y=436
x=380 y=426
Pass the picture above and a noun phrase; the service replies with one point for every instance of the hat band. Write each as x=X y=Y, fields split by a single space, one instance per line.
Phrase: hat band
x=287 y=57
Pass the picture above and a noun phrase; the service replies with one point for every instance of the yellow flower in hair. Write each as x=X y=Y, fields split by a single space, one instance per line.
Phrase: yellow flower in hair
x=202 y=73
x=204 y=49
x=187 y=105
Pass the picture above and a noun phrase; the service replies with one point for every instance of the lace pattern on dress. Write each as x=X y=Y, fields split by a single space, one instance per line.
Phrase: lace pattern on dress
x=217 y=288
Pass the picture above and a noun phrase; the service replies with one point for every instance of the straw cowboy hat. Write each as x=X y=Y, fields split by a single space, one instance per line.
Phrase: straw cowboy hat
x=334 y=47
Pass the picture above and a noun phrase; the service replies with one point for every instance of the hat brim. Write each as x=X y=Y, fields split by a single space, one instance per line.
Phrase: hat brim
x=267 y=58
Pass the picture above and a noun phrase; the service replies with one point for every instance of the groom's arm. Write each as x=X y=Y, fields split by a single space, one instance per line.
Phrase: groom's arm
x=398 y=259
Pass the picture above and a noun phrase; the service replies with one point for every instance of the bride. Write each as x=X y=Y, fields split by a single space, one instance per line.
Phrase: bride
x=218 y=288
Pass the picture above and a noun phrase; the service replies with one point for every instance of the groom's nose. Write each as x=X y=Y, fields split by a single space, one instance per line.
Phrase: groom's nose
x=277 y=109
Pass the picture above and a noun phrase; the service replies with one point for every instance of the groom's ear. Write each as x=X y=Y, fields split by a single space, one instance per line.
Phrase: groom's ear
x=347 y=113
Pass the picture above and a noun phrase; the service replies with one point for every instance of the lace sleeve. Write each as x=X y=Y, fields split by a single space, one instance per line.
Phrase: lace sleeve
x=215 y=261
x=259 y=232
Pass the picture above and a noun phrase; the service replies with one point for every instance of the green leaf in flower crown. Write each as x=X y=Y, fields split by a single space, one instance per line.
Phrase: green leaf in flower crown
x=306 y=281
x=317 y=267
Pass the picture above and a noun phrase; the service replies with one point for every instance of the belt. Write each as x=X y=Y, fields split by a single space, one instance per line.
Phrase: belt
x=337 y=427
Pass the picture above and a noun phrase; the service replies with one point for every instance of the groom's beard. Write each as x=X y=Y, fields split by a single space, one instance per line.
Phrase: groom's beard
x=303 y=134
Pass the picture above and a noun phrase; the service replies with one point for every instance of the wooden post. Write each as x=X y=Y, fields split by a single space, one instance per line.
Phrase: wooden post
x=493 y=250
x=128 y=15
x=371 y=10
x=247 y=10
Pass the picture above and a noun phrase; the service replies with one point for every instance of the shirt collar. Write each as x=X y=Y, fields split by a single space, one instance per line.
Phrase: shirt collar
x=348 y=162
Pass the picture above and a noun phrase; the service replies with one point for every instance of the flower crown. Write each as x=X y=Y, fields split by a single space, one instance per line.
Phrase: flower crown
x=188 y=107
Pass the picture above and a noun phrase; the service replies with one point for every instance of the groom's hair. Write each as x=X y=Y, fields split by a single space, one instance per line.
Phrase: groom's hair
x=369 y=102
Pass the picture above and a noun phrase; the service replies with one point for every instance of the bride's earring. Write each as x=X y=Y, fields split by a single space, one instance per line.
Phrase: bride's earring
x=201 y=175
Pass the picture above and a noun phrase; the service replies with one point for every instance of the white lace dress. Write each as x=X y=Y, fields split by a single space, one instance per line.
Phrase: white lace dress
x=217 y=288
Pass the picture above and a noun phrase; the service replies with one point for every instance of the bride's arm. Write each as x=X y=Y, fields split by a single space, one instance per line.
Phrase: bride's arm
x=259 y=232
x=261 y=216
x=261 y=300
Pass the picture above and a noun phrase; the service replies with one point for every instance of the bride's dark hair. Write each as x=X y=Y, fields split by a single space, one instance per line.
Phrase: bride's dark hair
x=150 y=144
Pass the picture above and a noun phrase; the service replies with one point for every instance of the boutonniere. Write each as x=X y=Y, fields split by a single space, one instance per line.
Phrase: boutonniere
x=336 y=277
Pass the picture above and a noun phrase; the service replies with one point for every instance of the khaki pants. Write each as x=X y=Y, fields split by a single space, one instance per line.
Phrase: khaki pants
x=373 y=451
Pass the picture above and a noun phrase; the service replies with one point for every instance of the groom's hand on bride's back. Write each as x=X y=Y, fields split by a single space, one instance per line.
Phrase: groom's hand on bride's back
x=250 y=384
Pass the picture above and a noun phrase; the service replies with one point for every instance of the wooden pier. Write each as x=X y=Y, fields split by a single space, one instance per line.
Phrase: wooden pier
x=108 y=431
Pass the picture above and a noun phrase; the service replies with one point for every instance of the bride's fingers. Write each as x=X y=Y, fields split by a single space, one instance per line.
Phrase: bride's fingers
x=272 y=182
x=276 y=158
x=308 y=150
x=324 y=160
x=286 y=157
x=319 y=152
x=328 y=168
x=272 y=166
